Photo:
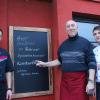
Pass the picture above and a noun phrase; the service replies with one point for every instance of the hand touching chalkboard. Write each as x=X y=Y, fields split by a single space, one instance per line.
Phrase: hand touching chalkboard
x=48 y=64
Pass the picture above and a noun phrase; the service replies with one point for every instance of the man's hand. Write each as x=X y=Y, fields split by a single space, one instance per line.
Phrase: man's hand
x=9 y=95
x=90 y=88
x=40 y=64
x=47 y=64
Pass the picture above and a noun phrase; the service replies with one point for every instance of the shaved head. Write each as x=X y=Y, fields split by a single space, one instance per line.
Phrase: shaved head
x=71 y=21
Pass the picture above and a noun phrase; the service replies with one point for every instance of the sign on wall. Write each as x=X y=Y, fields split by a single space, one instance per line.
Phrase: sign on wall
x=26 y=45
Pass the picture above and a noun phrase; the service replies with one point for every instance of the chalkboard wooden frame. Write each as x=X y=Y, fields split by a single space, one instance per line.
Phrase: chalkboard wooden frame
x=11 y=51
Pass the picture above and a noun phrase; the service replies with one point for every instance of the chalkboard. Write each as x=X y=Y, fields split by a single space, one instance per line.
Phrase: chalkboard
x=26 y=45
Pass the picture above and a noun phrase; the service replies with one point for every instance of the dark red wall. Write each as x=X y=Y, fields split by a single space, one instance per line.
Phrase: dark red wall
x=29 y=13
x=37 y=13
x=3 y=22
x=65 y=8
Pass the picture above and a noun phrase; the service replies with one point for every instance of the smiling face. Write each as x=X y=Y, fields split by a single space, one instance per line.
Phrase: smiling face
x=71 y=28
x=96 y=34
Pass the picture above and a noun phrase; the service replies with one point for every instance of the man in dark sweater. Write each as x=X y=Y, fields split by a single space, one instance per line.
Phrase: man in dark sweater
x=75 y=55
x=6 y=68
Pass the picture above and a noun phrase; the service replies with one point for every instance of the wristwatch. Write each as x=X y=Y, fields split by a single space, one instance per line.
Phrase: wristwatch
x=9 y=89
x=90 y=80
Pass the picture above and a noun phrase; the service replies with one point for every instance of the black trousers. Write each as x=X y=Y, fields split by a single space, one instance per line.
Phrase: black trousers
x=97 y=91
x=3 y=89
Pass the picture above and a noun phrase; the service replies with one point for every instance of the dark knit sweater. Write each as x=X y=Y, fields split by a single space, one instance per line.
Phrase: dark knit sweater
x=76 y=54
x=5 y=64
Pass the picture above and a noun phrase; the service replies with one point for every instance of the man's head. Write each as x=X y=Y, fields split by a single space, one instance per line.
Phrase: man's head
x=96 y=33
x=1 y=33
x=71 y=28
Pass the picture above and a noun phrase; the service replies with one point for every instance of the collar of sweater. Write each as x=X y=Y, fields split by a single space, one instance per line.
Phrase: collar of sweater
x=73 y=38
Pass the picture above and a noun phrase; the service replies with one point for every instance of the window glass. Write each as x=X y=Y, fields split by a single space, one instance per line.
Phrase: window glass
x=85 y=30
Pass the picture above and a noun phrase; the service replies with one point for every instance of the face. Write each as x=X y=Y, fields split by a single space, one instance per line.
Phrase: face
x=96 y=35
x=71 y=28
x=0 y=35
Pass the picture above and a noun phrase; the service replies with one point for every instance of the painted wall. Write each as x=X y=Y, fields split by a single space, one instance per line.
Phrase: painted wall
x=3 y=22
x=29 y=13
x=36 y=13
x=65 y=8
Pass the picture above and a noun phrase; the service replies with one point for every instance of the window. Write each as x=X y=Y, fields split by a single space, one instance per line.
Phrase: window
x=85 y=27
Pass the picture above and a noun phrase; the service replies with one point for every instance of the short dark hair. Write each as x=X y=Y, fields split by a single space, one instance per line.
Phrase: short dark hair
x=1 y=31
x=96 y=28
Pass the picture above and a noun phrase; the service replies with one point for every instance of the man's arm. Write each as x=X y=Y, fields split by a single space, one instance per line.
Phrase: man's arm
x=91 y=74
x=91 y=82
x=48 y=64
x=9 y=79
x=9 y=87
x=92 y=68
